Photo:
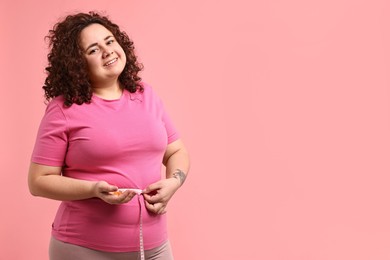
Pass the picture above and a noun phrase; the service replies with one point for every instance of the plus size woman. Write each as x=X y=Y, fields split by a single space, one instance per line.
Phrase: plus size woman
x=101 y=146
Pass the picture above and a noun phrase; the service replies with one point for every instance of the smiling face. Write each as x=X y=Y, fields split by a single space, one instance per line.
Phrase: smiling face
x=105 y=57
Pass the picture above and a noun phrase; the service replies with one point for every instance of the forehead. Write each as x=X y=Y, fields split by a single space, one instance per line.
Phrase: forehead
x=93 y=33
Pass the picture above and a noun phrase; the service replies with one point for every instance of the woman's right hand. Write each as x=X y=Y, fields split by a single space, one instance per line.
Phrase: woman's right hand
x=107 y=193
x=47 y=181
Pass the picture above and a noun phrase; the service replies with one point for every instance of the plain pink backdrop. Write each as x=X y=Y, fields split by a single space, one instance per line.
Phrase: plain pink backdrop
x=284 y=106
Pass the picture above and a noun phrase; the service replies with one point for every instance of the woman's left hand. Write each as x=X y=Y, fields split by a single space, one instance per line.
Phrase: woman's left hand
x=157 y=195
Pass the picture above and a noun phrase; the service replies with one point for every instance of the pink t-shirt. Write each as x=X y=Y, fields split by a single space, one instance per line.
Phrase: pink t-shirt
x=119 y=141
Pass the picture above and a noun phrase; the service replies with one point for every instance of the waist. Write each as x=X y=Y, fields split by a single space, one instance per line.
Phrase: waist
x=96 y=224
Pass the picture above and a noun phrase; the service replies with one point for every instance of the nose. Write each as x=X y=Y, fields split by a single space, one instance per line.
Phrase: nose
x=107 y=53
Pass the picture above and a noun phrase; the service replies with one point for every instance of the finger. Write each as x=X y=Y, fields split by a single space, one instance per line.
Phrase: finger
x=108 y=188
x=118 y=197
x=112 y=188
x=162 y=210
x=155 y=208
x=129 y=197
x=152 y=188
x=150 y=206
x=153 y=198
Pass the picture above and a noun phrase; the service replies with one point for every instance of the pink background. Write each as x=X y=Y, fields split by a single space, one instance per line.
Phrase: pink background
x=284 y=106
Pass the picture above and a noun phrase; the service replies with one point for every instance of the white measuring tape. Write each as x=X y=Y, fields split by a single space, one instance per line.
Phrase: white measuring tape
x=141 y=235
x=138 y=191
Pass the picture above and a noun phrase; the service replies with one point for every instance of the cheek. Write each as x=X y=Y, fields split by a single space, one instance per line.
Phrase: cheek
x=122 y=53
x=92 y=65
x=124 y=59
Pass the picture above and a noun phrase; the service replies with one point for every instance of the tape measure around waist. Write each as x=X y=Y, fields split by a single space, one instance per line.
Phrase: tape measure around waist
x=141 y=235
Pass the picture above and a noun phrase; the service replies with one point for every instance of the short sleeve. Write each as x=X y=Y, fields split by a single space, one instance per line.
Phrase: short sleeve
x=172 y=133
x=170 y=128
x=52 y=140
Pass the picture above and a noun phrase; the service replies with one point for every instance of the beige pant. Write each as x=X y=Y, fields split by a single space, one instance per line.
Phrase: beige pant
x=59 y=250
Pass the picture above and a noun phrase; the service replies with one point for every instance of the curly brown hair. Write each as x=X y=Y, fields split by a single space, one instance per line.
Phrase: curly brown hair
x=67 y=73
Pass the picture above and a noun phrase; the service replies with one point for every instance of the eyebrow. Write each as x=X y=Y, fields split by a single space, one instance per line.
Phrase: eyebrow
x=95 y=44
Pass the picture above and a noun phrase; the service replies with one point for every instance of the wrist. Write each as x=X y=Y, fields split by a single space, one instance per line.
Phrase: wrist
x=94 y=189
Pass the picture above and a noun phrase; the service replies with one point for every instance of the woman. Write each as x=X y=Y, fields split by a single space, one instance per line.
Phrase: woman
x=101 y=145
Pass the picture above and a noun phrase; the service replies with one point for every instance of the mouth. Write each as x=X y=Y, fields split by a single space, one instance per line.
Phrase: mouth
x=108 y=63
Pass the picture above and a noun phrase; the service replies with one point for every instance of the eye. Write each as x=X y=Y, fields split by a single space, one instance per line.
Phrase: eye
x=92 y=51
x=110 y=42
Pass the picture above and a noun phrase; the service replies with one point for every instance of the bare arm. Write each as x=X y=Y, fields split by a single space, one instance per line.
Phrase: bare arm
x=176 y=160
x=47 y=181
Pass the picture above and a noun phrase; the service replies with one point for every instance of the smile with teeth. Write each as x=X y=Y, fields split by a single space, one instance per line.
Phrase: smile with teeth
x=110 y=62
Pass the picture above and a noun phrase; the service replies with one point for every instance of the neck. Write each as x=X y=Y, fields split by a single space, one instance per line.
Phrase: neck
x=108 y=91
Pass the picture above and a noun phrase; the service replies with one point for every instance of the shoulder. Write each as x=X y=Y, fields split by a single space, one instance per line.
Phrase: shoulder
x=56 y=107
x=149 y=91
x=145 y=94
x=56 y=103
x=59 y=102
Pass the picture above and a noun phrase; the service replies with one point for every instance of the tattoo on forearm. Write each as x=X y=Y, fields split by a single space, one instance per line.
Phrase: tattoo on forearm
x=180 y=175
